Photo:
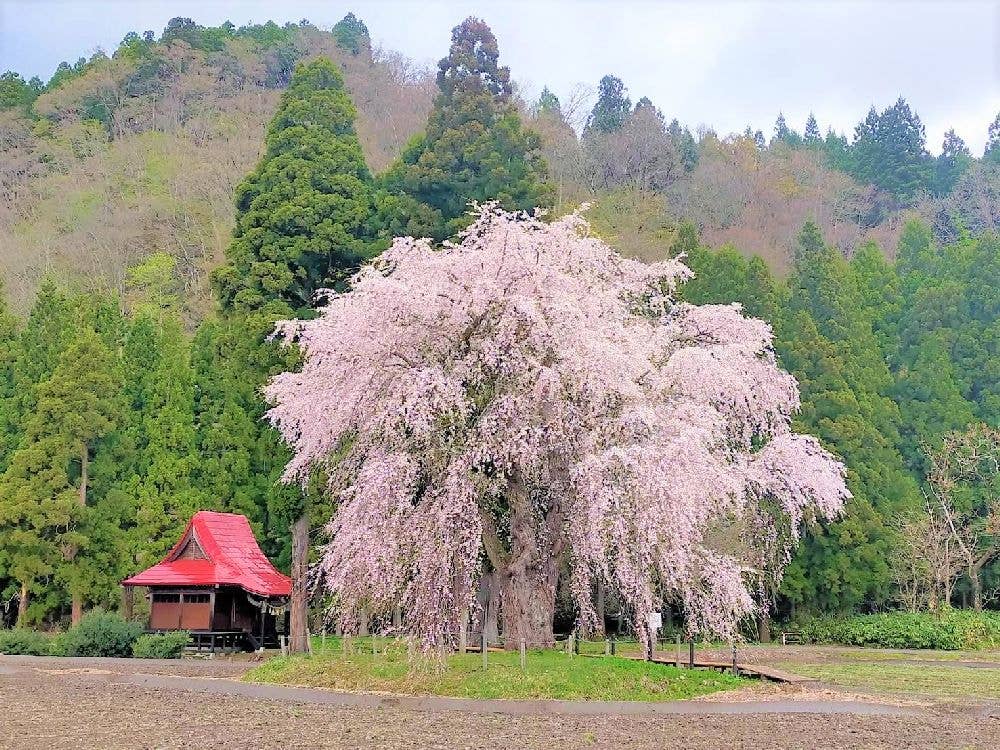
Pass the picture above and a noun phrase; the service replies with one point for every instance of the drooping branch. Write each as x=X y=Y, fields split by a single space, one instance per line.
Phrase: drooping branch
x=532 y=394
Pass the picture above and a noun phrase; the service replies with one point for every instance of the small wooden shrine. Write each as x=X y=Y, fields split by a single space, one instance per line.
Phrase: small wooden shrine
x=217 y=584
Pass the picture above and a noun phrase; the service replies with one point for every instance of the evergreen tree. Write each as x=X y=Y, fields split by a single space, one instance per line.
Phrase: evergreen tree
x=46 y=513
x=240 y=458
x=547 y=104
x=33 y=356
x=889 y=152
x=837 y=151
x=991 y=153
x=612 y=107
x=155 y=457
x=879 y=293
x=16 y=93
x=645 y=104
x=917 y=259
x=305 y=215
x=951 y=302
x=930 y=398
x=80 y=404
x=812 y=137
x=8 y=351
x=685 y=143
x=828 y=341
x=351 y=34
x=474 y=149
x=725 y=276
x=8 y=416
x=784 y=134
x=781 y=130
x=954 y=160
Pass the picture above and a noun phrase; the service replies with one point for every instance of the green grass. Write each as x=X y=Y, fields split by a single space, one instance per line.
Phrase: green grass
x=858 y=653
x=955 y=682
x=549 y=674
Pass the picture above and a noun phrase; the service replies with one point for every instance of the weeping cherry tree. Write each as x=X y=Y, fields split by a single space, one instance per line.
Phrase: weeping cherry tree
x=531 y=401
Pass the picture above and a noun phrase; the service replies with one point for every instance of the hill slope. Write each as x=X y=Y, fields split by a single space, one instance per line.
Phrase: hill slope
x=141 y=153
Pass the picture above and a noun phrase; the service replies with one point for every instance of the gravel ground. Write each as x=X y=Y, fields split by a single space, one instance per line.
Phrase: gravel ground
x=89 y=703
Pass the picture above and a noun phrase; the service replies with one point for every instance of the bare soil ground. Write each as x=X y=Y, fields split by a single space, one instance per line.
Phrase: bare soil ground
x=107 y=703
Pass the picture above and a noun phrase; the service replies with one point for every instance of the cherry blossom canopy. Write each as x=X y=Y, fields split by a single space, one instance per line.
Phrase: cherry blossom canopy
x=529 y=394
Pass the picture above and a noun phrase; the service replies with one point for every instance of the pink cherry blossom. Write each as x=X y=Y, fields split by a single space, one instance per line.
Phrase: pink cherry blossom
x=528 y=395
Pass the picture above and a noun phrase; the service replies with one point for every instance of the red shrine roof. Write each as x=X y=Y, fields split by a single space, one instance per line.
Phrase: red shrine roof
x=216 y=549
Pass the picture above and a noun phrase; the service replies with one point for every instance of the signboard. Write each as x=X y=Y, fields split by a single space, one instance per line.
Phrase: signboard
x=654 y=620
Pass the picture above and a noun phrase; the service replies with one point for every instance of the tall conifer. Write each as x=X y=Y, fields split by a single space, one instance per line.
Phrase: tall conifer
x=304 y=216
x=475 y=147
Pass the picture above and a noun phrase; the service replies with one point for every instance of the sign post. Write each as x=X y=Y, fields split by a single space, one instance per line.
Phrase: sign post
x=654 y=620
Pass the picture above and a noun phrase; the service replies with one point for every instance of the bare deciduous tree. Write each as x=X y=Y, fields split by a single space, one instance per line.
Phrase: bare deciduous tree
x=964 y=482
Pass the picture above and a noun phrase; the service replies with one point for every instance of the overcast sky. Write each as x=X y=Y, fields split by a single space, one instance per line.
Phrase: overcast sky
x=720 y=64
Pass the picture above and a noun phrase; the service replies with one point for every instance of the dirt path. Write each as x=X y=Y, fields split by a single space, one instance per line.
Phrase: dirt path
x=102 y=703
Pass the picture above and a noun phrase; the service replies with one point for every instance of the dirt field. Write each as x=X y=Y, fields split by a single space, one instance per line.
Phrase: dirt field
x=106 y=703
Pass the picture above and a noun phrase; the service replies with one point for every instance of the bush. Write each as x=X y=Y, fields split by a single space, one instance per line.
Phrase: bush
x=162 y=646
x=950 y=630
x=101 y=634
x=24 y=642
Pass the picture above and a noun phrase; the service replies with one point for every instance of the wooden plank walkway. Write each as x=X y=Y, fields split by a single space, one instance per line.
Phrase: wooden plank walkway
x=759 y=671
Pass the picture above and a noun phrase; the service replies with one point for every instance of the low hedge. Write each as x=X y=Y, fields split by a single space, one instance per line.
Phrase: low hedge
x=101 y=634
x=950 y=630
x=160 y=646
x=24 y=642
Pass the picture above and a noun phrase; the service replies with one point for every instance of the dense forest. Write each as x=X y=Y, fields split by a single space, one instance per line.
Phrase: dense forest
x=162 y=207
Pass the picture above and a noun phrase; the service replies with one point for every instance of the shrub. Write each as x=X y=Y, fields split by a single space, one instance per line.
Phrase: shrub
x=162 y=646
x=101 y=634
x=24 y=642
x=57 y=645
x=948 y=631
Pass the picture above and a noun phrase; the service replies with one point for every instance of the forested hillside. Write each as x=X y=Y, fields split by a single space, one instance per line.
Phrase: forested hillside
x=163 y=206
x=120 y=157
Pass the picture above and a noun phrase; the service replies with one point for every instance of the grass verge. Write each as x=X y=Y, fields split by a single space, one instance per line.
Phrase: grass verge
x=548 y=674
x=952 y=682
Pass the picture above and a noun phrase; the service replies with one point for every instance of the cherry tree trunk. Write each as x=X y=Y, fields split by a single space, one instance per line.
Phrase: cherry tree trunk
x=299 y=605
x=529 y=571
x=528 y=605
x=764 y=626
x=528 y=584
x=488 y=597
